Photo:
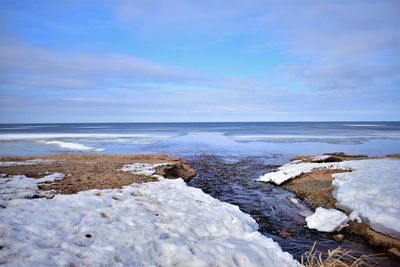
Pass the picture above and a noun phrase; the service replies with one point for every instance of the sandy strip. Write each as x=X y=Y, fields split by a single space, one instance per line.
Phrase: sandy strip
x=85 y=172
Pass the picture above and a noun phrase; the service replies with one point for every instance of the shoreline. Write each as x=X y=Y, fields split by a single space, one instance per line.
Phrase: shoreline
x=95 y=171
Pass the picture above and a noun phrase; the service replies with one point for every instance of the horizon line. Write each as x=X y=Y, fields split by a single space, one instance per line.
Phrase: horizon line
x=176 y=122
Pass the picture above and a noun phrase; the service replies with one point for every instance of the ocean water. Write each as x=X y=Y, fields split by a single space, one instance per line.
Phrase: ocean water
x=243 y=138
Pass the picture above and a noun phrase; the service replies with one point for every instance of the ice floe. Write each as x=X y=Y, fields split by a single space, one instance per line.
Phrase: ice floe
x=370 y=189
x=71 y=146
x=327 y=220
x=163 y=223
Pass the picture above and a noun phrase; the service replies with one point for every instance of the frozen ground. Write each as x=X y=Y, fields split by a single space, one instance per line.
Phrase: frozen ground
x=370 y=191
x=163 y=223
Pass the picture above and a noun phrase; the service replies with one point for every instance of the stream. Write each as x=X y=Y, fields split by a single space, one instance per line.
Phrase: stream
x=235 y=180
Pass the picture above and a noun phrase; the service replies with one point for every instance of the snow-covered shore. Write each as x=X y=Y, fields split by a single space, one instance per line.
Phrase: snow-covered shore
x=164 y=223
x=153 y=224
x=368 y=189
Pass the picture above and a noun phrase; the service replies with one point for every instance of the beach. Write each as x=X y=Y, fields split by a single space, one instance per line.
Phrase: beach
x=197 y=176
x=86 y=172
x=99 y=175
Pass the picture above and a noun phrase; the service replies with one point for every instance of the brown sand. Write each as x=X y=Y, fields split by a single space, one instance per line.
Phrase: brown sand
x=316 y=190
x=85 y=172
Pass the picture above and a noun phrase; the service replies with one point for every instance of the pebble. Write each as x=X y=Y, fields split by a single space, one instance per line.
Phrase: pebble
x=338 y=237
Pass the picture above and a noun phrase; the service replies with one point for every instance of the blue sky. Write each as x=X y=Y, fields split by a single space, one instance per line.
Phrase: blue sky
x=156 y=61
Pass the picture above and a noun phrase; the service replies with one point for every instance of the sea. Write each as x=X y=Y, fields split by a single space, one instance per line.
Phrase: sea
x=225 y=138
x=228 y=158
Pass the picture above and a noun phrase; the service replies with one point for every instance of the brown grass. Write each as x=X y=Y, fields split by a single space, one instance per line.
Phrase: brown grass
x=338 y=257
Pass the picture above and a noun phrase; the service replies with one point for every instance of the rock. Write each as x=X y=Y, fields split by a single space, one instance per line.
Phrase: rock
x=338 y=237
x=177 y=170
x=394 y=251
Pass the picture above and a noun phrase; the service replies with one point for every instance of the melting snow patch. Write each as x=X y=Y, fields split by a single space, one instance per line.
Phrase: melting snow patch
x=327 y=220
x=20 y=186
x=26 y=162
x=71 y=146
x=292 y=170
x=163 y=223
x=320 y=158
x=144 y=169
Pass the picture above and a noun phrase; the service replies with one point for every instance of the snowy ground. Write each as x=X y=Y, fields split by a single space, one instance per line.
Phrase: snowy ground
x=370 y=191
x=20 y=187
x=163 y=223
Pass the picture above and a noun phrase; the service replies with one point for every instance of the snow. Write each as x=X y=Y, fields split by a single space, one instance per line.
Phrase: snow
x=371 y=189
x=292 y=170
x=26 y=162
x=320 y=158
x=20 y=186
x=144 y=169
x=163 y=223
x=71 y=146
x=372 y=192
x=327 y=220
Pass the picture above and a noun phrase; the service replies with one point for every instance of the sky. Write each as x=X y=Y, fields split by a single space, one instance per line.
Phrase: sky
x=191 y=61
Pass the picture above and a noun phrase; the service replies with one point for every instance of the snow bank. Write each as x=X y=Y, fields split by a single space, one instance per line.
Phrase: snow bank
x=320 y=158
x=370 y=191
x=20 y=186
x=144 y=169
x=327 y=220
x=26 y=162
x=163 y=223
x=294 y=169
x=71 y=146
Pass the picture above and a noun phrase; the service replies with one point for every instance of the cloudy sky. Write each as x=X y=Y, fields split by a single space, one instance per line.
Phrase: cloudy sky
x=219 y=60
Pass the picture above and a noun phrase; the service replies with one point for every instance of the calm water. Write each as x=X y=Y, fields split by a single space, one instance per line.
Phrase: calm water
x=228 y=158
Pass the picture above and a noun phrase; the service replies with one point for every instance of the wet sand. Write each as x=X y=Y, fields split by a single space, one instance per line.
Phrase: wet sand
x=85 y=172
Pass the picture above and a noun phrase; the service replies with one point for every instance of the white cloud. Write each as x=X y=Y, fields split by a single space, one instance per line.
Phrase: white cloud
x=24 y=65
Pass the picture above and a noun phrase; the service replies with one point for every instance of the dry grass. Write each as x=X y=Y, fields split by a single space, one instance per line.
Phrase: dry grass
x=338 y=257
